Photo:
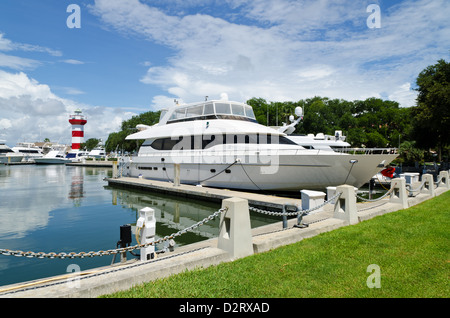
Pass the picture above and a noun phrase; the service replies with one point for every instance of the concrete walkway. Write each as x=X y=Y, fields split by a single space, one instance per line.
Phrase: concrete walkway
x=105 y=280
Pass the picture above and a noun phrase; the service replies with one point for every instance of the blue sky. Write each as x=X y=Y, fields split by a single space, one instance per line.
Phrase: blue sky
x=131 y=56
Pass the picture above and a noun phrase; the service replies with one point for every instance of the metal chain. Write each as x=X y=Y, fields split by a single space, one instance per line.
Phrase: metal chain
x=63 y=255
x=300 y=212
x=438 y=181
x=377 y=199
x=415 y=190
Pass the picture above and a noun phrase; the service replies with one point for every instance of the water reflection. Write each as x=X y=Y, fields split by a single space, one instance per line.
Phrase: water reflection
x=28 y=195
x=172 y=214
x=71 y=209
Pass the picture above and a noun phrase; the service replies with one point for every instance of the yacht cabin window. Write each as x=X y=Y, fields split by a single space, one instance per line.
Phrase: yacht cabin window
x=194 y=111
x=208 y=141
x=249 y=112
x=209 y=109
x=223 y=108
x=238 y=109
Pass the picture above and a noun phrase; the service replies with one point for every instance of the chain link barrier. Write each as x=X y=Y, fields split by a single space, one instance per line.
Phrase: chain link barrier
x=298 y=212
x=438 y=181
x=435 y=184
x=377 y=199
x=72 y=255
x=408 y=187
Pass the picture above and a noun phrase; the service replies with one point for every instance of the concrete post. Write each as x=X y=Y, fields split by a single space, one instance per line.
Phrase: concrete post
x=115 y=173
x=235 y=234
x=176 y=172
x=331 y=191
x=428 y=187
x=345 y=206
x=399 y=194
x=445 y=182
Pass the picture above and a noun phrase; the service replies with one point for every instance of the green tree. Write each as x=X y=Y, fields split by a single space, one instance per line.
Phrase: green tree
x=371 y=123
x=261 y=109
x=432 y=113
x=116 y=140
x=90 y=144
x=409 y=153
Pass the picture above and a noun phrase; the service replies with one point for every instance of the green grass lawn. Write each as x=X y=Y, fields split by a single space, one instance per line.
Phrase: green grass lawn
x=411 y=248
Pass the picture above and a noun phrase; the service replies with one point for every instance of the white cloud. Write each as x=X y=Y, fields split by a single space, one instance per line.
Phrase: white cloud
x=17 y=63
x=287 y=49
x=5 y=123
x=160 y=102
x=19 y=84
x=404 y=95
x=5 y=44
x=30 y=111
x=72 y=61
x=21 y=63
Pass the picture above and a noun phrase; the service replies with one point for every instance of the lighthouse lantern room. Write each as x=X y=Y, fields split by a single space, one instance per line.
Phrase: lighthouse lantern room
x=77 y=121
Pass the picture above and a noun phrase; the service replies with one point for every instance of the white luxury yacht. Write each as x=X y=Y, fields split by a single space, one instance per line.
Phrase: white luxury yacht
x=7 y=155
x=29 y=150
x=220 y=144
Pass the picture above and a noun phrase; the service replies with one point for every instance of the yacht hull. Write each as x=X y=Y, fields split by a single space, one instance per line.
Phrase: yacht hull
x=49 y=161
x=263 y=172
x=14 y=158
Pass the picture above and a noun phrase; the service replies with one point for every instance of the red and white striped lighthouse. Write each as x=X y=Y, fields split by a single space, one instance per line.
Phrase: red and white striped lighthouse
x=78 y=121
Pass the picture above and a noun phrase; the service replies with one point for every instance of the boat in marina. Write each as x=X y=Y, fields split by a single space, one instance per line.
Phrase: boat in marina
x=77 y=155
x=54 y=156
x=220 y=144
x=98 y=152
x=7 y=155
x=29 y=150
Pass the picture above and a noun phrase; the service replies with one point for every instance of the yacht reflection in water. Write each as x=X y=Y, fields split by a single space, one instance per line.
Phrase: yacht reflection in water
x=174 y=214
x=76 y=187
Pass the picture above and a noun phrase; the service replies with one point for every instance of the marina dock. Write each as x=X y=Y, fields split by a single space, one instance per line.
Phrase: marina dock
x=91 y=163
x=98 y=163
x=205 y=193
x=18 y=163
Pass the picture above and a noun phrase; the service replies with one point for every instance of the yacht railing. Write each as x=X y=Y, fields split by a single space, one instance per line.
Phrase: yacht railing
x=367 y=151
x=273 y=152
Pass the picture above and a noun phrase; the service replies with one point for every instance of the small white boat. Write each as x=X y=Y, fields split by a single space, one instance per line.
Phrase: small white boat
x=77 y=156
x=7 y=155
x=385 y=176
x=97 y=153
x=53 y=157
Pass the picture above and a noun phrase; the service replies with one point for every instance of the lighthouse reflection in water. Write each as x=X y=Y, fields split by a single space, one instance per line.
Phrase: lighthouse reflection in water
x=59 y=208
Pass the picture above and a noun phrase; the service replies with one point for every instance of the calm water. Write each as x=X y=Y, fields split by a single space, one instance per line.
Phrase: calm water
x=57 y=209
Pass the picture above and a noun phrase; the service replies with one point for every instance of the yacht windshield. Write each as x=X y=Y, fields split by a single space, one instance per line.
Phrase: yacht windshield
x=211 y=110
x=249 y=112
x=223 y=108
x=163 y=113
